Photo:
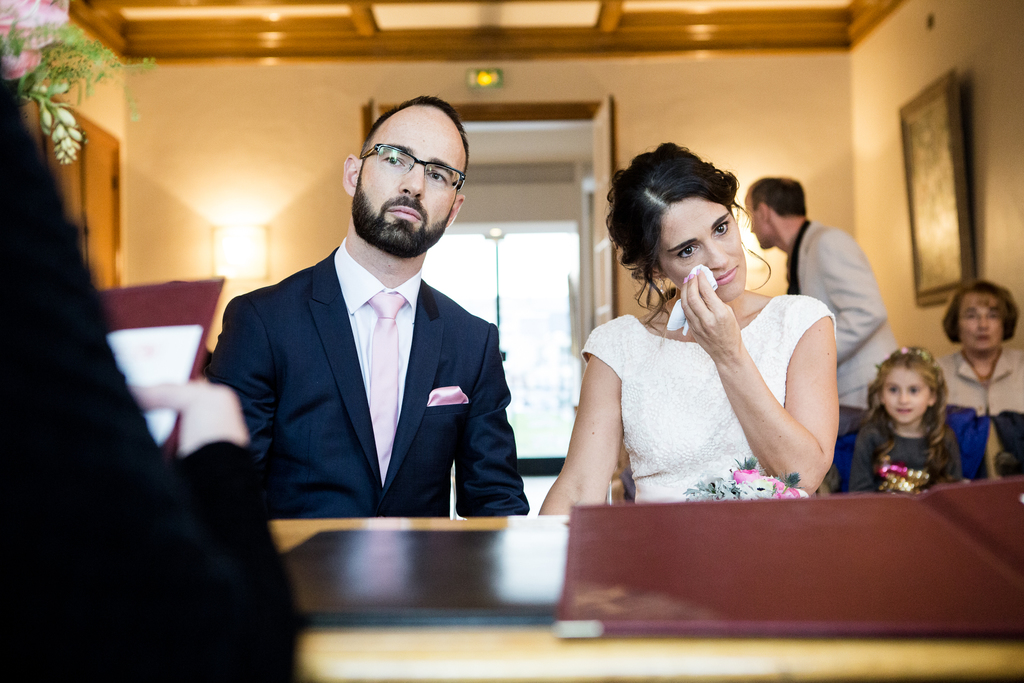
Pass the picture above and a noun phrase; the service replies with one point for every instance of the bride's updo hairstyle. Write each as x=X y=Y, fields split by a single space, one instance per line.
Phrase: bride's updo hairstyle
x=639 y=198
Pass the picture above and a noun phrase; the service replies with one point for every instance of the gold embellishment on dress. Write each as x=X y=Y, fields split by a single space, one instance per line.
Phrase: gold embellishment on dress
x=898 y=478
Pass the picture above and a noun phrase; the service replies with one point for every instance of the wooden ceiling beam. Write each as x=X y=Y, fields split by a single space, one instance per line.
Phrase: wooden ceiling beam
x=770 y=19
x=610 y=16
x=362 y=17
x=338 y=39
x=865 y=15
x=238 y=30
x=356 y=36
x=117 y=5
x=107 y=27
x=189 y=4
x=447 y=2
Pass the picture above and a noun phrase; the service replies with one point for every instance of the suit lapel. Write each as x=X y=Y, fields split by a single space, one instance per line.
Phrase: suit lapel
x=419 y=377
x=330 y=314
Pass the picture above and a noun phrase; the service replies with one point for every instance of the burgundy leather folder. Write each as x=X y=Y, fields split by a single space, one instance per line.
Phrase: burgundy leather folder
x=163 y=305
x=947 y=563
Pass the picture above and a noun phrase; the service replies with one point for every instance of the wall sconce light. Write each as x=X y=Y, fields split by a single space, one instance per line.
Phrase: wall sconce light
x=240 y=252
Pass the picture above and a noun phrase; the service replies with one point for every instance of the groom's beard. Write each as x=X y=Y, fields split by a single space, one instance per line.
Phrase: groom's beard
x=397 y=237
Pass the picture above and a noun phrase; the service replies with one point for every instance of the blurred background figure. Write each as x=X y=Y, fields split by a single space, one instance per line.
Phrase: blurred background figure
x=827 y=264
x=904 y=445
x=985 y=375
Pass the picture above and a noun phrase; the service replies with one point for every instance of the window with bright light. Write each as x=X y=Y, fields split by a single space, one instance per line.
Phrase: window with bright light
x=523 y=279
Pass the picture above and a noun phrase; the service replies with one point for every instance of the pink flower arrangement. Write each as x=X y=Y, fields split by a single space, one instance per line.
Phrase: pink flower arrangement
x=748 y=482
x=32 y=25
x=16 y=67
x=741 y=476
x=790 y=492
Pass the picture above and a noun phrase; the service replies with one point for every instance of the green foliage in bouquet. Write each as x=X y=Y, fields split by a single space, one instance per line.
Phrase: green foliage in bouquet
x=44 y=57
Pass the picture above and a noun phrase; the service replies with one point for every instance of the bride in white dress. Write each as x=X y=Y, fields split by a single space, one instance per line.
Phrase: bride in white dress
x=752 y=376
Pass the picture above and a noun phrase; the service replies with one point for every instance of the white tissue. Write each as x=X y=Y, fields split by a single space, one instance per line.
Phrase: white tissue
x=677 y=320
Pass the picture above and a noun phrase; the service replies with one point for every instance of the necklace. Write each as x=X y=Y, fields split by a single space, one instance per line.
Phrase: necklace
x=986 y=376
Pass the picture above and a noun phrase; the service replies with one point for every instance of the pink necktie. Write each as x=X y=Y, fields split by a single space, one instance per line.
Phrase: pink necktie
x=384 y=375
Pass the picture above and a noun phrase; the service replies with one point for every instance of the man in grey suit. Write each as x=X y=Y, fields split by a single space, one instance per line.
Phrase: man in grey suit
x=827 y=264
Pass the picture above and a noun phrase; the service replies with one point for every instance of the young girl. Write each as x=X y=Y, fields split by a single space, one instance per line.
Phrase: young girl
x=904 y=443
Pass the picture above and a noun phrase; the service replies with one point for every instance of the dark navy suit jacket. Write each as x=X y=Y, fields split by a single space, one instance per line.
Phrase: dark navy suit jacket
x=289 y=352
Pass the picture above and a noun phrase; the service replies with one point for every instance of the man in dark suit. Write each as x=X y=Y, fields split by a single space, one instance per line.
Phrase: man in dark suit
x=358 y=410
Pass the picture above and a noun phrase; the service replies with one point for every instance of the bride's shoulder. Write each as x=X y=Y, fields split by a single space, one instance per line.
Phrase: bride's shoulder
x=615 y=342
x=625 y=328
x=622 y=324
x=796 y=312
x=807 y=307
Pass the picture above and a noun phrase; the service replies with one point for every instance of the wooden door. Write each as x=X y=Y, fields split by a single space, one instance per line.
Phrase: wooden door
x=90 y=188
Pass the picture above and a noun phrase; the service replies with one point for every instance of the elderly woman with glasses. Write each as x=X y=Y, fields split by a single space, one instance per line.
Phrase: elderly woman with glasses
x=985 y=375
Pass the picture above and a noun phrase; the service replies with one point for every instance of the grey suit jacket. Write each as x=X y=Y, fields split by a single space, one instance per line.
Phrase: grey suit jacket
x=833 y=269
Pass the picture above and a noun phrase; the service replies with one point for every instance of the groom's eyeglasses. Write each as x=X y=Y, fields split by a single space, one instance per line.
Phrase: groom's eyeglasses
x=399 y=163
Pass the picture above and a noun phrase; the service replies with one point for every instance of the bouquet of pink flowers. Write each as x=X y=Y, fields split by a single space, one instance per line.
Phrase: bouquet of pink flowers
x=747 y=482
x=42 y=56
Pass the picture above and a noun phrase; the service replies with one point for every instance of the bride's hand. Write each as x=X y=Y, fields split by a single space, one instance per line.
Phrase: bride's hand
x=713 y=324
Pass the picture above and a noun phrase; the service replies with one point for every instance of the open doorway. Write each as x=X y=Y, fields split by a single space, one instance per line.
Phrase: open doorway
x=513 y=257
x=523 y=277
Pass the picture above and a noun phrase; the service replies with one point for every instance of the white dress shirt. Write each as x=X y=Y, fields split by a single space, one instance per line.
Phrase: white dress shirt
x=358 y=286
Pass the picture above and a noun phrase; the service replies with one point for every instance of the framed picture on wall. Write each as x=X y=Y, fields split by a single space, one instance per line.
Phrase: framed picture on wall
x=940 y=224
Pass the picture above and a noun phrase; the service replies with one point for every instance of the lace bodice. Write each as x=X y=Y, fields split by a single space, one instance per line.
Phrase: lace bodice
x=678 y=424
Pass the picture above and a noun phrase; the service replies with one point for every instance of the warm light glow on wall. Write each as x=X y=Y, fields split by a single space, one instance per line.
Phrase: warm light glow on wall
x=486 y=79
x=240 y=252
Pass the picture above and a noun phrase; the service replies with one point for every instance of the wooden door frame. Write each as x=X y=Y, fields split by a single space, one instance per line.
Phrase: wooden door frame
x=507 y=111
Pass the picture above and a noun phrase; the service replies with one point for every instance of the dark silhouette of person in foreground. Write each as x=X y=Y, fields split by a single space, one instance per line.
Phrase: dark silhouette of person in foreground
x=117 y=564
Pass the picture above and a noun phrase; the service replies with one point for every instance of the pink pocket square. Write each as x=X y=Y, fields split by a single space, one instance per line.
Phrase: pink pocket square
x=447 y=396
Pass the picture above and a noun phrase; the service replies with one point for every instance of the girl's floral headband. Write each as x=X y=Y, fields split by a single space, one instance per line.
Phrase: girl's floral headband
x=923 y=354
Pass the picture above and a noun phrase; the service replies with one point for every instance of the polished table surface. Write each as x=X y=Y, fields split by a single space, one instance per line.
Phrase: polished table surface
x=535 y=654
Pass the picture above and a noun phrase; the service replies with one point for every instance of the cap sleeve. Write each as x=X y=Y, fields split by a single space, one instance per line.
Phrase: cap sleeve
x=611 y=343
x=804 y=312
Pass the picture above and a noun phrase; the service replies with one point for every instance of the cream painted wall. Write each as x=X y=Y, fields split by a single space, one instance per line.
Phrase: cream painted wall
x=266 y=143
x=107 y=108
x=982 y=41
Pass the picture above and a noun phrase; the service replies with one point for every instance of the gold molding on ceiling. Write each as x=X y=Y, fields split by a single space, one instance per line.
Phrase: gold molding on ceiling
x=357 y=36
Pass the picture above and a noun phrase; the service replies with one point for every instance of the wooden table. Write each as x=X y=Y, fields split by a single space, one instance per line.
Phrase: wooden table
x=535 y=654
